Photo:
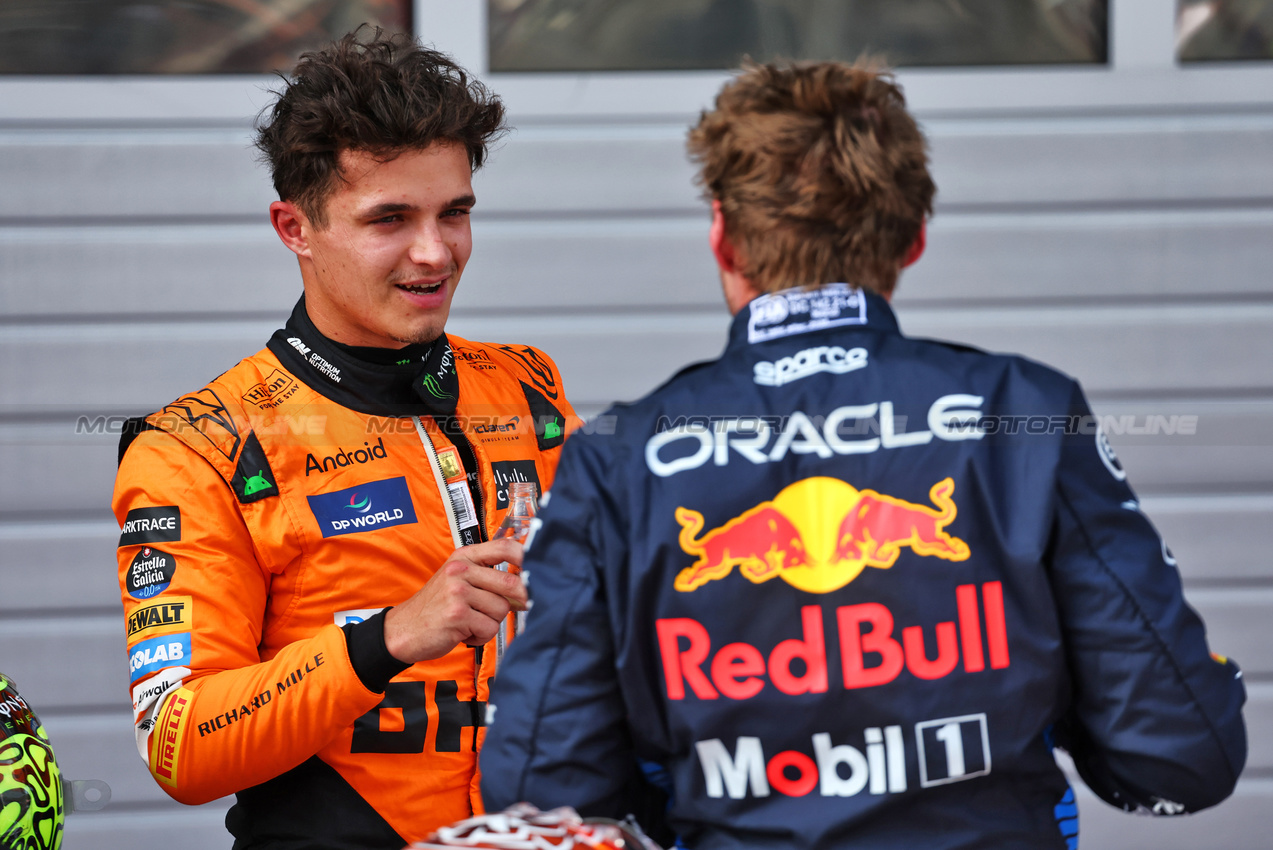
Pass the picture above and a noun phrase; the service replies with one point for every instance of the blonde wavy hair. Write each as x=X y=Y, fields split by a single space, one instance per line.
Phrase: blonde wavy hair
x=821 y=173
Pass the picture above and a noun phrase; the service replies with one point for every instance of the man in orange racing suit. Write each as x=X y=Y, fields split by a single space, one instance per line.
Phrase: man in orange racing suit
x=304 y=559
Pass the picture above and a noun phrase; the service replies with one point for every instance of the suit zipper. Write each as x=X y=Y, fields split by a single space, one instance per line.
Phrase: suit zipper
x=453 y=521
x=439 y=479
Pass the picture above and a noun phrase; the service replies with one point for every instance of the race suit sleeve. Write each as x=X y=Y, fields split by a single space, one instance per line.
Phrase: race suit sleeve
x=212 y=716
x=1156 y=720
x=558 y=733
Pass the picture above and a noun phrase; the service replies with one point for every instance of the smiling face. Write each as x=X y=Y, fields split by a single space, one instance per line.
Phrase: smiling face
x=382 y=270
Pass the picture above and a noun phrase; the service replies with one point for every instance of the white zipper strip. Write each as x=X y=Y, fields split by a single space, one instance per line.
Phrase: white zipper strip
x=440 y=480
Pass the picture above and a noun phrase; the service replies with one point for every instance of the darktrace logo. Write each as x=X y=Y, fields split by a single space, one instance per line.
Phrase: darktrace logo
x=367 y=507
x=345 y=457
x=151 y=525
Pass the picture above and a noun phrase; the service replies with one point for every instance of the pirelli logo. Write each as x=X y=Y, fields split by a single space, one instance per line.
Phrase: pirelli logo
x=165 y=616
x=165 y=739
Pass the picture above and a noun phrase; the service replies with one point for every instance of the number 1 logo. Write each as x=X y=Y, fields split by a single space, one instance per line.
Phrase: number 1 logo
x=952 y=749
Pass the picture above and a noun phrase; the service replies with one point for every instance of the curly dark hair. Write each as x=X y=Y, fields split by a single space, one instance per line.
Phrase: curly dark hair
x=384 y=95
x=821 y=173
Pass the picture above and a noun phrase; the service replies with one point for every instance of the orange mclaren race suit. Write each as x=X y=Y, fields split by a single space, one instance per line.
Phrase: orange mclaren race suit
x=267 y=521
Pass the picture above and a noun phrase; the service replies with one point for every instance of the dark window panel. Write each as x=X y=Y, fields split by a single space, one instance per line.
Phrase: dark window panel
x=89 y=37
x=1224 y=30
x=633 y=35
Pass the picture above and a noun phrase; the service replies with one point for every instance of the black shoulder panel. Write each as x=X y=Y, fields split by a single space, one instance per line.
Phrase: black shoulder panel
x=550 y=425
x=253 y=479
x=133 y=427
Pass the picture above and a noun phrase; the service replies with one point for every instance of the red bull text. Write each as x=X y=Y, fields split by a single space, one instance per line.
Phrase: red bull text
x=865 y=633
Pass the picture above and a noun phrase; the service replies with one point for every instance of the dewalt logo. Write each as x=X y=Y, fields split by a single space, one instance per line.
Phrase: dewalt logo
x=170 y=614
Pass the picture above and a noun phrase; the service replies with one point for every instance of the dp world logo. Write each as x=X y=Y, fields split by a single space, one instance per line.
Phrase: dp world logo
x=367 y=507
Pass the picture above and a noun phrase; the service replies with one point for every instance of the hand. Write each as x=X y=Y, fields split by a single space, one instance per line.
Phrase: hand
x=464 y=602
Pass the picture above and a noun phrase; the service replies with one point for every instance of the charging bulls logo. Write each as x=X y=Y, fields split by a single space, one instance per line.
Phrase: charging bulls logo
x=819 y=534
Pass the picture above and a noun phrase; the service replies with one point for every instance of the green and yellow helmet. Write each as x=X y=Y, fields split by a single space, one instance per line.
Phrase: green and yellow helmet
x=32 y=808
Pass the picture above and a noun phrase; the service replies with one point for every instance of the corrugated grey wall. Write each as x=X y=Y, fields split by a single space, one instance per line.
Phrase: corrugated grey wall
x=1127 y=242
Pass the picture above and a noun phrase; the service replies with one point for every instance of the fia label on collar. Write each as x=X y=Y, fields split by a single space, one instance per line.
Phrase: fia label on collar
x=797 y=311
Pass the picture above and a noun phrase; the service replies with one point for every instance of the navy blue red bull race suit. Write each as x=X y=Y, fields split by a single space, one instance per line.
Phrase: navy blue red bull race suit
x=842 y=587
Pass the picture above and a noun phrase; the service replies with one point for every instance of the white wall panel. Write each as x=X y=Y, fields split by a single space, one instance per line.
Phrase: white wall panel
x=72 y=661
x=569 y=264
x=197 y=828
x=56 y=566
x=627 y=168
x=133 y=272
x=195 y=173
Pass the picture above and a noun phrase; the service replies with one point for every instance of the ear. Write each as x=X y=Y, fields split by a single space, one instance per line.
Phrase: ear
x=917 y=247
x=722 y=248
x=291 y=225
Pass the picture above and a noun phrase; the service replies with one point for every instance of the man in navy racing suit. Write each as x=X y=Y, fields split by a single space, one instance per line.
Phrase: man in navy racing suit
x=841 y=587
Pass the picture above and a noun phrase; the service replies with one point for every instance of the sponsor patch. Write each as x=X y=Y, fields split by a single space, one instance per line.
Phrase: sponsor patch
x=167 y=736
x=367 y=507
x=346 y=457
x=509 y=471
x=811 y=361
x=273 y=391
x=356 y=615
x=1106 y=452
x=148 y=656
x=150 y=573
x=164 y=616
x=796 y=311
x=148 y=701
x=147 y=693
x=151 y=525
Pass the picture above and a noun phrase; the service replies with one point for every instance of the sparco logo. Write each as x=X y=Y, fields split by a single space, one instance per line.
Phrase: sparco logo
x=811 y=361
x=345 y=457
